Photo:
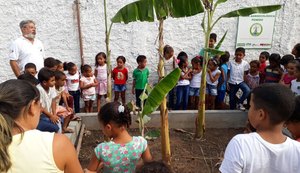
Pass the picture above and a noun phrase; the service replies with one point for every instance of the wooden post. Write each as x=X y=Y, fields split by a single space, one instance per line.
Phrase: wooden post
x=77 y=2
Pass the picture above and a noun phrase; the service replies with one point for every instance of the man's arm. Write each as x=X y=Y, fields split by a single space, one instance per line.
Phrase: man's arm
x=15 y=67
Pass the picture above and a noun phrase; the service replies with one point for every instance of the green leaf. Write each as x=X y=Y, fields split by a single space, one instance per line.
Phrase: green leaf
x=252 y=10
x=143 y=10
x=214 y=51
x=148 y=88
x=220 y=2
x=160 y=91
x=146 y=119
x=221 y=41
x=143 y=96
x=153 y=134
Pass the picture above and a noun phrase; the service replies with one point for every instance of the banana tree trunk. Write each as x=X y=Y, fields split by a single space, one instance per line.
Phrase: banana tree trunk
x=165 y=138
x=108 y=51
x=200 y=121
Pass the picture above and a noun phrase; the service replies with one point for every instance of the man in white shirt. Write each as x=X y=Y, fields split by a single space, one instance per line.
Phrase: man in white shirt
x=26 y=49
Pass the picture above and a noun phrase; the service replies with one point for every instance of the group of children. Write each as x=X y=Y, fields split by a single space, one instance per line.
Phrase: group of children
x=229 y=76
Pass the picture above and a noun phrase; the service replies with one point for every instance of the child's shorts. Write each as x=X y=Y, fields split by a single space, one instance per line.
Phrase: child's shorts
x=211 y=90
x=119 y=88
x=194 y=91
x=89 y=97
x=221 y=96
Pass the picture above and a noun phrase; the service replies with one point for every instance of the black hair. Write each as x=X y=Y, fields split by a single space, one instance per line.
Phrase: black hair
x=168 y=49
x=50 y=62
x=296 y=114
x=155 y=167
x=30 y=65
x=297 y=49
x=215 y=61
x=275 y=57
x=298 y=67
x=58 y=61
x=182 y=53
x=85 y=68
x=110 y=113
x=240 y=49
x=29 y=78
x=45 y=74
x=123 y=58
x=197 y=59
x=213 y=36
x=69 y=66
x=182 y=59
x=59 y=74
x=99 y=54
x=276 y=99
x=141 y=58
x=224 y=58
x=256 y=62
x=15 y=98
x=266 y=54
x=286 y=59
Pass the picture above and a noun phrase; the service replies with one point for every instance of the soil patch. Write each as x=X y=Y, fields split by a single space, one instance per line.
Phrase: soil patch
x=188 y=155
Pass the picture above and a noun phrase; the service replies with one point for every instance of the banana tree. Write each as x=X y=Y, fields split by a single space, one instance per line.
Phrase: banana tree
x=147 y=10
x=207 y=26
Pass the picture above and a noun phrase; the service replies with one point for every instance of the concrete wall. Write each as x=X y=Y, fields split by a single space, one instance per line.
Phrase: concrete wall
x=57 y=28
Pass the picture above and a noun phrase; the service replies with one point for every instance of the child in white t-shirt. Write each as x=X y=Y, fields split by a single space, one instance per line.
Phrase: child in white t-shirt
x=73 y=78
x=195 y=82
x=236 y=75
x=212 y=77
x=268 y=149
x=88 y=85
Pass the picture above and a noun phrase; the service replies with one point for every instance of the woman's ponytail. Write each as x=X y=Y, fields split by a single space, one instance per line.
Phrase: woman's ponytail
x=5 y=141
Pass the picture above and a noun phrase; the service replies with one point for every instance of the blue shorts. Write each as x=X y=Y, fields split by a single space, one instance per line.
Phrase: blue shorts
x=211 y=90
x=119 y=88
x=221 y=96
x=194 y=91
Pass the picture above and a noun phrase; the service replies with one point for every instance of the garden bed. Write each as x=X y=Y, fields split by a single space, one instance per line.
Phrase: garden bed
x=188 y=155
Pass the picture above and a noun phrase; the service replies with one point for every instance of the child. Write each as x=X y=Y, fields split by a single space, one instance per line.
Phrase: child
x=60 y=65
x=183 y=85
x=222 y=81
x=140 y=78
x=195 y=82
x=48 y=120
x=212 y=76
x=155 y=167
x=169 y=65
x=296 y=51
x=295 y=84
x=29 y=78
x=64 y=112
x=293 y=124
x=31 y=69
x=101 y=75
x=287 y=77
x=88 y=85
x=268 y=149
x=236 y=75
x=263 y=57
x=120 y=76
x=50 y=63
x=73 y=84
x=285 y=60
x=273 y=72
x=211 y=44
x=252 y=78
x=123 y=152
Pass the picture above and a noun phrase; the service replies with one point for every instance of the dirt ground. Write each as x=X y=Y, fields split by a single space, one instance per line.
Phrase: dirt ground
x=188 y=155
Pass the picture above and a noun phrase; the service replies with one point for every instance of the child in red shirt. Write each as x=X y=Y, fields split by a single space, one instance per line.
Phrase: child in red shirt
x=120 y=76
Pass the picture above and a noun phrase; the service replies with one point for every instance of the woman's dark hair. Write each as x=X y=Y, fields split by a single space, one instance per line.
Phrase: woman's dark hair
x=276 y=99
x=15 y=95
x=155 y=167
x=121 y=58
x=114 y=112
x=168 y=49
x=224 y=58
x=98 y=55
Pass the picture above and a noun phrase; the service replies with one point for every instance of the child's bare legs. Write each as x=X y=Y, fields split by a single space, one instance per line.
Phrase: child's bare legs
x=86 y=106
x=196 y=102
x=98 y=103
x=191 y=102
x=207 y=102
x=116 y=96
x=65 y=128
x=212 y=101
x=91 y=105
x=123 y=97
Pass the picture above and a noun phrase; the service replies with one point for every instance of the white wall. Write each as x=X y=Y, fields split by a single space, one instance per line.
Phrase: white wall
x=57 y=28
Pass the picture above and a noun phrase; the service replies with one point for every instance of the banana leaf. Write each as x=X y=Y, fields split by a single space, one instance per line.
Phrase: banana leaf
x=252 y=10
x=160 y=91
x=221 y=41
x=147 y=10
x=214 y=51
